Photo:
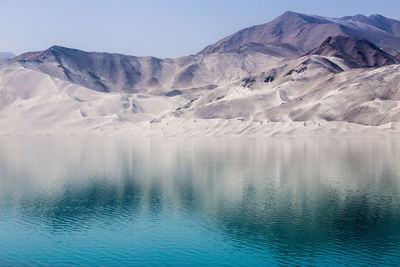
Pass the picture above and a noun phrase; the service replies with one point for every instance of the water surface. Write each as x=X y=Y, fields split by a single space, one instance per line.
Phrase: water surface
x=210 y=201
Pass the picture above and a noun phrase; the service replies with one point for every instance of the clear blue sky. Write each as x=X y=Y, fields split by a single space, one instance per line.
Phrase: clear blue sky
x=163 y=28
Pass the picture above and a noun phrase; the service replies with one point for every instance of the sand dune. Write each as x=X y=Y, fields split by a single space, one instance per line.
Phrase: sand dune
x=320 y=100
x=260 y=81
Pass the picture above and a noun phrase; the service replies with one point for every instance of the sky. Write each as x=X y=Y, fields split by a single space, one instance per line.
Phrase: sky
x=161 y=28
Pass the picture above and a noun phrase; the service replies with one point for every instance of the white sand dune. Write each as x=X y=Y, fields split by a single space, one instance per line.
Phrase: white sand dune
x=317 y=101
x=288 y=77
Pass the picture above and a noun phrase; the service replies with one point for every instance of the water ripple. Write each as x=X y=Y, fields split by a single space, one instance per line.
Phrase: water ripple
x=267 y=202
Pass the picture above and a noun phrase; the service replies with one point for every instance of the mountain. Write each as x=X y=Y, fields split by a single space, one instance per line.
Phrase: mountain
x=249 y=51
x=107 y=72
x=309 y=91
x=305 y=32
x=102 y=72
x=358 y=53
x=296 y=75
x=6 y=55
x=311 y=95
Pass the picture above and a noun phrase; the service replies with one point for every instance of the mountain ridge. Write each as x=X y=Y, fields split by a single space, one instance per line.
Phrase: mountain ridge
x=308 y=31
x=263 y=81
x=358 y=53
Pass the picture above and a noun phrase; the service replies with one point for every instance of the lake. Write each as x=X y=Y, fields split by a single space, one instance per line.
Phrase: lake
x=199 y=201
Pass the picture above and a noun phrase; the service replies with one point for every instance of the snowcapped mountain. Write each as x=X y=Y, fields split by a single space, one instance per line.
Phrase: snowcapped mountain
x=299 y=74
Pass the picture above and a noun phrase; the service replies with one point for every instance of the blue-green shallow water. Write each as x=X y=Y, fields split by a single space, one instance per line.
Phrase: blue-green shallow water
x=121 y=201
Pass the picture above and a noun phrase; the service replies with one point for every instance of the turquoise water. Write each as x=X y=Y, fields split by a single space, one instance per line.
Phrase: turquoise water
x=120 y=201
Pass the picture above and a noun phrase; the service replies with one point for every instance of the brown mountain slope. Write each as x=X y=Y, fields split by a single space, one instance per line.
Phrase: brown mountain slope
x=358 y=53
x=305 y=32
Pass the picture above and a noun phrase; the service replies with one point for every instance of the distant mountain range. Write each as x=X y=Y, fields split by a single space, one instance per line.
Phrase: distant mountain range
x=298 y=74
x=6 y=55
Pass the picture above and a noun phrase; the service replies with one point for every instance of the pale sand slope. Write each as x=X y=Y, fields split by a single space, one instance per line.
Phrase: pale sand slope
x=309 y=96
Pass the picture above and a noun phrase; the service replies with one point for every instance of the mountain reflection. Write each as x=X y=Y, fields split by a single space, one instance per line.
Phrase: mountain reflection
x=76 y=207
x=288 y=195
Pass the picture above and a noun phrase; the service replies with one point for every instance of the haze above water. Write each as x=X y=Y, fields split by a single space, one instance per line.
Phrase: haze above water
x=199 y=201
